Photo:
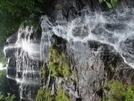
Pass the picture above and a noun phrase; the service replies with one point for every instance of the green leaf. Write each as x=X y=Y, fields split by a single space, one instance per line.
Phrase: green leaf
x=109 y=5
x=101 y=1
x=113 y=3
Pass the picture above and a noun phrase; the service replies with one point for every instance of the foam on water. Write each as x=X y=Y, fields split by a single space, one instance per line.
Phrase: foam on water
x=114 y=28
x=23 y=62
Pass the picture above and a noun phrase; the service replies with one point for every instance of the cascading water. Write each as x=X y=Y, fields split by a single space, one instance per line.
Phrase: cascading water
x=45 y=39
x=23 y=64
x=113 y=28
x=27 y=71
x=84 y=35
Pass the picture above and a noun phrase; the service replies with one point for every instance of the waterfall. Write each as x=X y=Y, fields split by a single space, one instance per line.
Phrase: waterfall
x=45 y=38
x=114 y=28
x=23 y=62
x=85 y=31
x=85 y=34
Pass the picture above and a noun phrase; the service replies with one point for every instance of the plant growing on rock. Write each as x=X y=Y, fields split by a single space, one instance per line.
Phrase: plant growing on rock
x=58 y=62
x=109 y=3
x=61 y=95
x=45 y=95
x=119 y=92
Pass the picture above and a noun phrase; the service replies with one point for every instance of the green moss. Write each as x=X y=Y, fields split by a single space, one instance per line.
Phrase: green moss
x=119 y=92
x=61 y=95
x=58 y=62
x=45 y=95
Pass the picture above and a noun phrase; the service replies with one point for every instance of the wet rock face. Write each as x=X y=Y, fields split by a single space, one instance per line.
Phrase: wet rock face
x=10 y=55
x=92 y=65
x=90 y=69
x=22 y=53
x=11 y=62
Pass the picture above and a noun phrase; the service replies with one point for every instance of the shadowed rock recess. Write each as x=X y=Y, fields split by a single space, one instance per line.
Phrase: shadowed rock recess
x=81 y=47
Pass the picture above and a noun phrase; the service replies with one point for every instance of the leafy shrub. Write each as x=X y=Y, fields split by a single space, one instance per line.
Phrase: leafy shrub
x=61 y=95
x=9 y=97
x=109 y=3
x=120 y=92
x=44 y=95
x=58 y=62
x=14 y=12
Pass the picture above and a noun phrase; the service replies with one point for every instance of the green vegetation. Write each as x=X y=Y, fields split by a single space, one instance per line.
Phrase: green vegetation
x=61 y=95
x=3 y=58
x=58 y=62
x=45 y=95
x=110 y=3
x=59 y=66
x=119 y=92
x=5 y=93
x=9 y=97
x=14 y=12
